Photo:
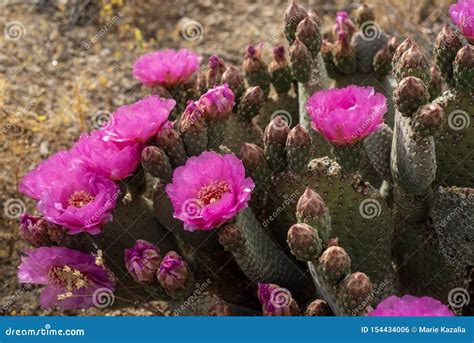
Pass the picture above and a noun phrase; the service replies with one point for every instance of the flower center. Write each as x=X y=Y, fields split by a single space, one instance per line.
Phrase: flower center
x=213 y=192
x=68 y=277
x=80 y=199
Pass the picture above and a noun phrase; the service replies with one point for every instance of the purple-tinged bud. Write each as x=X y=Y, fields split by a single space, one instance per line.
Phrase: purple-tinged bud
x=274 y=139
x=220 y=309
x=382 y=62
x=252 y=156
x=446 y=46
x=280 y=71
x=216 y=69
x=174 y=275
x=304 y=242
x=276 y=301
x=312 y=210
x=255 y=69
x=364 y=14
x=231 y=238
x=172 y=144
x=318 y=308
x=413 y=63
x=277 y=131
x=313 y=15
x=142 y=261
x=334 y=264
x=309 y=34
x=156 y=163
x=464 y=70
x=436 y=82
x=293 y=16
x=404 y=46
x=429 y=120
x=39 y=232
x=300 y=59
x=356 y=291
x=193 y=129
x=235 y=80
x=410 y=94
x=343 y=27
x=298 y=149
x=251 y=103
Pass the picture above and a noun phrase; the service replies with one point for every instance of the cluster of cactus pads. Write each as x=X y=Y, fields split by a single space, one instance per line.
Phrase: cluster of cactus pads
x=317 y=185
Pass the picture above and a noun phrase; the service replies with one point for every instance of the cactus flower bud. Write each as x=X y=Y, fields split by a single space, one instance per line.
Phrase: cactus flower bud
x=276 y=301
x=404 y=46
x=436 y=82
x=309 y=34
x=356 y=290
x=298 y=149
x=382 y=62
x=293 y=16
x=300 y=59
x=344 y=54
x=172 y=144
x=39 y=232
x=334 y=264
x=392 y=44
x=327 y=54
x=216 y=69
x=410 y=94
x=304 y=242
x=364 y=14
x=255 y=69
x=318 y=308
x=230 y=237
x=142 y=261
x=173 y=274
x=251 y=102
x=220 y=309
x=155 y=162
x=310 y=205
x=428 y=120
x=280 y=71
x=235 y=81
x=274 y=139
x=464 y=69
x=446 y=46
x=251 y=155
x=413 y=63
x=193 y=129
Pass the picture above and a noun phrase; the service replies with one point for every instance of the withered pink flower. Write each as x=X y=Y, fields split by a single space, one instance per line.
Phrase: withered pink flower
x=140 y=121
x=411 y=306
x=142 y=261
x=462 y=14
x=346 y=115
x=209 y=190
x=276 y=301
x=72 y=279
x=168 y=68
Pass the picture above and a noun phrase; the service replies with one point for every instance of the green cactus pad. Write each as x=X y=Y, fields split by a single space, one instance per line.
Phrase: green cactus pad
x=239 y=131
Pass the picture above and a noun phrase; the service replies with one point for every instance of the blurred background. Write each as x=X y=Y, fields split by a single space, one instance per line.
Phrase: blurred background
x=65 y=65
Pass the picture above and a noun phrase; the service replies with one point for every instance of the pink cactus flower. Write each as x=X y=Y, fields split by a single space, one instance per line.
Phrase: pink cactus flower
x=167 y=68
x=346 y=115
x=79 y=200
x=411 y=306
x=217 y=103
x=114 y=160
x=462 y=14
x=140 y=121
x=142 y=261
x=73 y=279
x=209 y=190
